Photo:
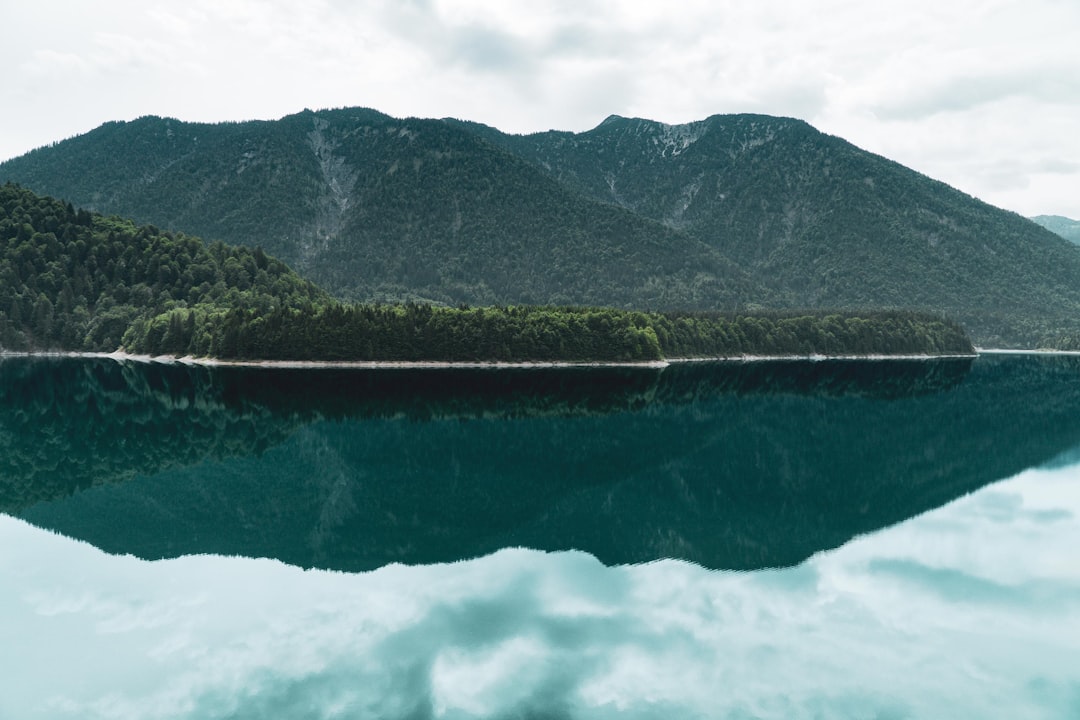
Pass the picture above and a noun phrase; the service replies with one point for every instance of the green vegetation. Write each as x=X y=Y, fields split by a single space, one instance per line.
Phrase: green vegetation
x=728 y=214
x=822 y=223
x=881 y=332
x=73 y=280
x=414 y=332
x=1069 y=342
x=378 y=209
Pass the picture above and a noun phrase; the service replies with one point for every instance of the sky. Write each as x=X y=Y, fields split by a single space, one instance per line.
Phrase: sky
x=971 y=610
x=982 y=94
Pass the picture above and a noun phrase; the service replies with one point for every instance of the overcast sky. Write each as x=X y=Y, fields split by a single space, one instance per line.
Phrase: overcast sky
x=983 y=94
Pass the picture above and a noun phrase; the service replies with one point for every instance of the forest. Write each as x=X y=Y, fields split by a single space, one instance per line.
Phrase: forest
x=73 y=280
x=420 y=332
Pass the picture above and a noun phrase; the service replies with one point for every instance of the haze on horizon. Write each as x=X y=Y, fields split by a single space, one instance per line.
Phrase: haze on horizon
x=982 y=95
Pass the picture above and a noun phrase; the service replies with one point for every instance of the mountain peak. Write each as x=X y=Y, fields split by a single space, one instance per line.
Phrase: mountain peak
x=669 y=140
x=612 y=120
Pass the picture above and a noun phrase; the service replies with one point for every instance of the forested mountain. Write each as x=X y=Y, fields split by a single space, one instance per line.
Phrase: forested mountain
x=821 y=221
x=74 y=280
x=1063 y=226
x=376 y=208
x=727 y=213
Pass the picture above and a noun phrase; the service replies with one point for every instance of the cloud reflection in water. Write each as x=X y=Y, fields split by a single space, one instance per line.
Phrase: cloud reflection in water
x=970 y=610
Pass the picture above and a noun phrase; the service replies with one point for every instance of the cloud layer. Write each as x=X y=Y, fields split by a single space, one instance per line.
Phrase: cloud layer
x=980 y=94
x=972 y=610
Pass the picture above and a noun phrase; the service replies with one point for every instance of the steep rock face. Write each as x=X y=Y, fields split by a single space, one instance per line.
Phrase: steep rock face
x=339 y=179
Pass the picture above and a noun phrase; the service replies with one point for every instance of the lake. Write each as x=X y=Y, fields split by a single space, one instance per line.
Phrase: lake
x=789 y=539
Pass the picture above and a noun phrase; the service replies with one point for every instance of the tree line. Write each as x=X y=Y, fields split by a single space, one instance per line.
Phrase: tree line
x=74 y=280
x=421 y=332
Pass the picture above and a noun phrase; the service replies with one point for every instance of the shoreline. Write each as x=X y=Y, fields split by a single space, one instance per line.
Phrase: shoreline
x=1008 y=351
x=499 y=364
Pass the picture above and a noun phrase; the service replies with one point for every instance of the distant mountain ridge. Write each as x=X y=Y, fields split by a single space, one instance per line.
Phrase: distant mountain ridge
x=1060 y=225
x=728 y=212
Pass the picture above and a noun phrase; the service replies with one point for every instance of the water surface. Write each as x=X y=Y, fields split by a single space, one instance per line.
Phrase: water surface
x=767 y=540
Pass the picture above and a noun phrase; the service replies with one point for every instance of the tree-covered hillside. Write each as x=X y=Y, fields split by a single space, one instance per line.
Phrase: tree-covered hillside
x=73 y=280
x=417 y=333
x=729 y=213
x=374 y=208
x=821 y=222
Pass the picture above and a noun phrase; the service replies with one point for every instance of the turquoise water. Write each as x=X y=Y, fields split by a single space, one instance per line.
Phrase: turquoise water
x=782 y=540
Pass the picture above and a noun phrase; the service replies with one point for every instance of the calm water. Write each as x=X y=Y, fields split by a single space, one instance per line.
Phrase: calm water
x=774 y=540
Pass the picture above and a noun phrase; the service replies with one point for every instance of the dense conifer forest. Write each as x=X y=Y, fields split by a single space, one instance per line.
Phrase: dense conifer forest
x=78 y=281
x=74 y=280
x=415 y=332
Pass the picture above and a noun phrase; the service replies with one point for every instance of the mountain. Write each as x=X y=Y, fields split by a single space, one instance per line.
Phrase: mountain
x=818 y=219
x=376 y=208
x=1063 y=226
x=730 y=212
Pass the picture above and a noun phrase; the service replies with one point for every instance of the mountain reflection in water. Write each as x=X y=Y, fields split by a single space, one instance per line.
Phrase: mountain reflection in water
x=729 y=465
x=971 y=610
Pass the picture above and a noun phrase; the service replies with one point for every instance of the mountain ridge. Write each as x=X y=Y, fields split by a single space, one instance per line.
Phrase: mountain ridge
x=405 y=230
x=815 y=222
x=729 y=212
x=1060 y=225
